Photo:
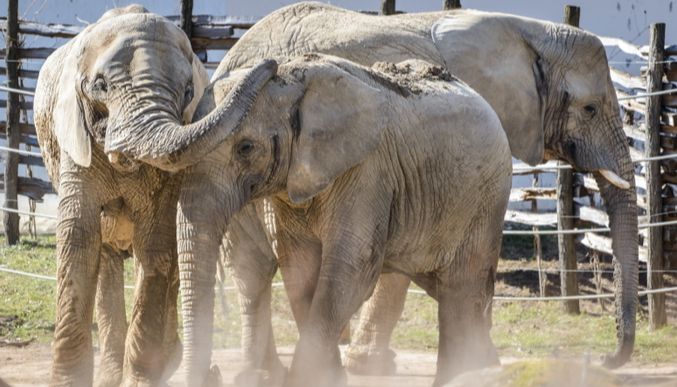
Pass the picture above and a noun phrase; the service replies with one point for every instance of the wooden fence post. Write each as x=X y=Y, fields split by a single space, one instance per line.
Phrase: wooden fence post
x=11 y=220
x=387 y=7
x=654 y=183
x=565 y=212
x=452 y=4
x=187 y=17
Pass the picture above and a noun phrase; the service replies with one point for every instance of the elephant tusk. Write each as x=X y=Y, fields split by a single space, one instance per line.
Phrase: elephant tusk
x=614 y=179
x=114 y=157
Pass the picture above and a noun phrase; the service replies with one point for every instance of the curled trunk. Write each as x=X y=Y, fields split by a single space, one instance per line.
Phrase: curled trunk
x=163 y=143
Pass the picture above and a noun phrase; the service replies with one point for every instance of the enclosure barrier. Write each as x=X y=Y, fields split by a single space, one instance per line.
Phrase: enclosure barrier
x=648 y=103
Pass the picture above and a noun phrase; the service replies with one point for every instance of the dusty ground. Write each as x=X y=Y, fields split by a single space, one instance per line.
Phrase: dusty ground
x=30 y=366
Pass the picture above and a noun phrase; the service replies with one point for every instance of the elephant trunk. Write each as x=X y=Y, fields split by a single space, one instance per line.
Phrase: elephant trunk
x=168 y=145
x=622 y=209
x=200 y=232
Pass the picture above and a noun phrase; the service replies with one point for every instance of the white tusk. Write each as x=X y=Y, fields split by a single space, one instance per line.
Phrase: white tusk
x=114 y=157
x=614 y=179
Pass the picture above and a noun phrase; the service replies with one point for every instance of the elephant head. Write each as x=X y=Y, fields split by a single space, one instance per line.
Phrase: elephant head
x=551 y=87
x=316 y=119
x=130 y=81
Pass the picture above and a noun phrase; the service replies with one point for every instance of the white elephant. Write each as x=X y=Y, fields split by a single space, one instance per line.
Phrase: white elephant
x=550 y=86
x=397 y=167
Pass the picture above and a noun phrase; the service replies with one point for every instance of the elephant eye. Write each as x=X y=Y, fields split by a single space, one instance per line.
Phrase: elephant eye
x=245 y=148
x=188 y=94
x=590 y=110
x=99 y=86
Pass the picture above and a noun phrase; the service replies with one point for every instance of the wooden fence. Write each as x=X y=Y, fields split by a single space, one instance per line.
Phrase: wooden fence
x=649 y=123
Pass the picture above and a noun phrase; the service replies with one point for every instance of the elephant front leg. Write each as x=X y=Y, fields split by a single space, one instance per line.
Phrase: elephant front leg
x=350 y=268
x=78 y=247
x=146 y=351
x=111 y=316
x=369 y=352
x=253 y=265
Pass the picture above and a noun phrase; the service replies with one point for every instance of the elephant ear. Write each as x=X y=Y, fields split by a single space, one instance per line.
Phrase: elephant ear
x=69 y=119
x=341 y=119
x=491 y=53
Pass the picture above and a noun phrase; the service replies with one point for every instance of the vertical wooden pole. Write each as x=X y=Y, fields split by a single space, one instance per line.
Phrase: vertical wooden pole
x=187 y=17
x=654 y=183
x=387 y=7
x=10 y=220
x=452 y=4
x=565 y=212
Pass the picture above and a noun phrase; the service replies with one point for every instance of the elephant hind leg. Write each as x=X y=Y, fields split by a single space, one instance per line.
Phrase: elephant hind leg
x=464 y=294
x=111 y=316
x=369 y=352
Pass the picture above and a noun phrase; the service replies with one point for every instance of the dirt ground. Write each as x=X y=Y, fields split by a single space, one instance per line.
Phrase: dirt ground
x=30 y=366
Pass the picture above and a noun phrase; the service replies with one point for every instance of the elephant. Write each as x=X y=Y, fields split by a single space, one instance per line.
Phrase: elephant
x=549 y=84
x=353 y=159
x=129 y=78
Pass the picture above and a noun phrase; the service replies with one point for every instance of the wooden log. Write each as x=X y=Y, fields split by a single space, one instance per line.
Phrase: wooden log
x=532 y=193
x=11 y=175
x=452 y=4
x=24 y=128
x=23 y=105
x=657 y=316
x=634 y=132
x=50 y=29
x=670 y=70
x=30 y=74
x=603 y=244
x=31 y=52
x=200 y=43
x=593 y=215
x=542 y=219
x=25 y=160
x=232 y=21
x=669 y=118
x=626 y=81
x=387 y=7
x=33 y=188
x=565 y=212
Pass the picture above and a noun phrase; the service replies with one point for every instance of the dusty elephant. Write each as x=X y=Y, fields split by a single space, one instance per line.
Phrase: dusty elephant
x=549 y=84
x=354 y=159
x=130 y=74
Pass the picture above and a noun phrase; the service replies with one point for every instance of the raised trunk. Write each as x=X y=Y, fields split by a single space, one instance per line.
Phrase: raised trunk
x=163 y=143
x=201 y=222
x=622 y=209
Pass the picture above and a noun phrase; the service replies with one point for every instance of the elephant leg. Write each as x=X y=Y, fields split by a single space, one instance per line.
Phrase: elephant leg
x=253 y=265
x=155 y=249
x=350 y=267
x=111 y=316
x=172 y=347
x=300 y=267
x=78 y=238
x=369 y=352
x=464 y=295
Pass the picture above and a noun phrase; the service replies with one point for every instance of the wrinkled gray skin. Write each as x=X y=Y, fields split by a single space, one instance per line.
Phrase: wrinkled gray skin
x=353 y=159
x=130 y=77
x=549 y=84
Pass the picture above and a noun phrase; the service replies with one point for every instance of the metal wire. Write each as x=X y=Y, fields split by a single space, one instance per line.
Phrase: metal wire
x=411 y=291
x=16 y=91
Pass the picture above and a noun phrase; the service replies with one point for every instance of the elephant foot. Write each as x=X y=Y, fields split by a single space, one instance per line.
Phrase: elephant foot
x=361 y=361
x=261 y=378
x=108 y=379
x=336 y=377
x=213 y=378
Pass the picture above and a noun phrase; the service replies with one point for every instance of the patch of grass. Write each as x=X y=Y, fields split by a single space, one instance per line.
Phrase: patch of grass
x=520 y=329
